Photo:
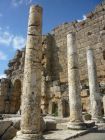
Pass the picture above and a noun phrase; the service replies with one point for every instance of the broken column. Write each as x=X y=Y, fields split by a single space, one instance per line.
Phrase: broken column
x=76 y=121
x=31 y=95
x=95 y=99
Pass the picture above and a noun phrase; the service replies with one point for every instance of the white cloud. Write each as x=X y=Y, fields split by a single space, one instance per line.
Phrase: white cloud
x=84 y=18
x=11 y=40
x=18 y=42
x=2 y=76
x=3 y=56
x=5 y=38
x=16 y=3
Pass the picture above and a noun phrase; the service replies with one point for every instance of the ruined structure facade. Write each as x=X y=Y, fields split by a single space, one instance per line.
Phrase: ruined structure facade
x=54 y=85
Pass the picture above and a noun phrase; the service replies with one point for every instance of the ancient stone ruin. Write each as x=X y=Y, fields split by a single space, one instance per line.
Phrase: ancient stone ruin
x=55 y=75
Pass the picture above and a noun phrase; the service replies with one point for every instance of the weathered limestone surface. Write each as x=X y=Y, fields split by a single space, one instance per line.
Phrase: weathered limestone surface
x=4 y=125
x=90 y=32
x=76 y=121
x=3 y=94
x=31 y=96
x=95 y=99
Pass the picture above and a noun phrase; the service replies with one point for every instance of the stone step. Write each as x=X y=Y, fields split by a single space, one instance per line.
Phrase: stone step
x=64 y=134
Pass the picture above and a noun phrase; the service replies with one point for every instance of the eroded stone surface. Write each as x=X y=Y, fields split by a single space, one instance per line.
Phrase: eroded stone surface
x=90 y=32
x=54 y=84
x=73 y=80
x=31 y=95
x=4 y=125
x=95 y=98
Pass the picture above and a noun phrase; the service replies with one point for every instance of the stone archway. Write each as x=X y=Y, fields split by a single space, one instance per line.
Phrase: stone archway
x=54 y=109
x=15 y=97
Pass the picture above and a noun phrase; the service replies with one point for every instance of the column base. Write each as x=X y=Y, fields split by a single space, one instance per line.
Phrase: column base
x=21 y=136
x=77 y=126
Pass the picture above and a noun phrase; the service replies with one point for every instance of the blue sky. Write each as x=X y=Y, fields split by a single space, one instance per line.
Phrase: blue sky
x=14 y=18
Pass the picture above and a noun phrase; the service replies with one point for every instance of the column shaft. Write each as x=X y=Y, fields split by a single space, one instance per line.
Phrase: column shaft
x=95 y=98
x=31 y=95
x=73 y=81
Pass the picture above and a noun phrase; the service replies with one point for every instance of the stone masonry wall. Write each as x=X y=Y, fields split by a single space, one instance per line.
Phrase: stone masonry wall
x=90 y=32
x=15 y=66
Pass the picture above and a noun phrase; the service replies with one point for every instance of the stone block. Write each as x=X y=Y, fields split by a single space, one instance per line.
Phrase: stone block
x=50 y=124
x=4 y=125
x=9 y=134
x=55 y=83
x=56 y=89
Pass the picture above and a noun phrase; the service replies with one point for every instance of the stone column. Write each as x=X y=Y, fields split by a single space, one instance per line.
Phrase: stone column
x=76 y=121
x=103 y=99
x=95 y=99
x=31 y=95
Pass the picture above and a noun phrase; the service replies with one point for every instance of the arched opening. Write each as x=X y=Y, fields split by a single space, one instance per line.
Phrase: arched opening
x=54 y=109
x=16 y=97
x=66 y=109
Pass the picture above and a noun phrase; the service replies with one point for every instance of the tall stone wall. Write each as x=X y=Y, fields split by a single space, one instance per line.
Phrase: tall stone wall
x=90 y=32
x=16 y=66
x=4 y=95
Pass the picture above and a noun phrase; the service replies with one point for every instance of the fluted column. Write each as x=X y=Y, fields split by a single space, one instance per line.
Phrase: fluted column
x=31 y=95
x=76 y=121
x=95 y=99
